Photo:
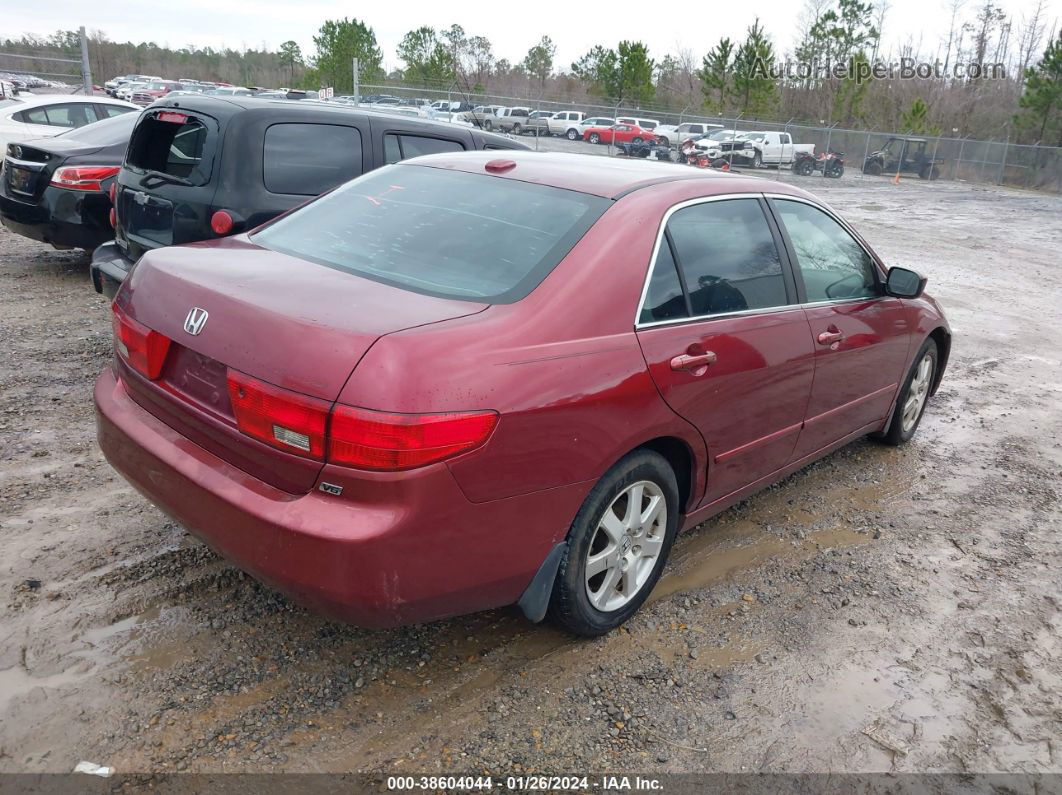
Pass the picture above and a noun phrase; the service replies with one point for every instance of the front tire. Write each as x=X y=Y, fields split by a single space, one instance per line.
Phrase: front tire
x=517 y=129
x=488 y=125
x=914 y=396
x=595 y=138
x=617 y=545
x=757 y=160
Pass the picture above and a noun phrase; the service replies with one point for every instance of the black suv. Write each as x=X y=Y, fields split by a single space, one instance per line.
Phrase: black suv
x=205 y=167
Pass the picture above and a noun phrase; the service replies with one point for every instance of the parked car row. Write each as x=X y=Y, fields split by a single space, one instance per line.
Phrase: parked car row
x=187 y=177
x=408 y=371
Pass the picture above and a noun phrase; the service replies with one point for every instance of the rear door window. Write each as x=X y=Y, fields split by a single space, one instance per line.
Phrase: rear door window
x=403 y=147
x=309 y=159
x=71 y=115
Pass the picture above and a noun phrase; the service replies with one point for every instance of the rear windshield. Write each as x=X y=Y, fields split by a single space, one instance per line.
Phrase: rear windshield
x=439 y=232
x=172 y=143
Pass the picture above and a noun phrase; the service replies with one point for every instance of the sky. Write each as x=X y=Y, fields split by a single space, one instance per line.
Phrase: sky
x=512 y=27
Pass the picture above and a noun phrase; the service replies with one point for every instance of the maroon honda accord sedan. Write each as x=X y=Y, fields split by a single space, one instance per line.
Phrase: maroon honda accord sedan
x=461 y=382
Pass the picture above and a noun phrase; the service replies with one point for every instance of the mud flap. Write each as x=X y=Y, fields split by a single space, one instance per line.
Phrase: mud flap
x=535 y=598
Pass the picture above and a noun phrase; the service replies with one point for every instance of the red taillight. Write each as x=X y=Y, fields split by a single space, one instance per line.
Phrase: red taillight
x=381 y=441
x=221 y=222
x=145 y=350
x=112 y=192
x=280 y=418
x=83 y=177
x=353 y=437
x=112 y=216
x=176 y=118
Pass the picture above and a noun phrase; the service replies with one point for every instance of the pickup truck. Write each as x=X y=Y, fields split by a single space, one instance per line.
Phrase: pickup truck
x=775 y=147
x=511 y=120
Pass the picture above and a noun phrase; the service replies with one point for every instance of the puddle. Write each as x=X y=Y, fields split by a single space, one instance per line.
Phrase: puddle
x=710 y=557
x=103 y=650
x=17 y=681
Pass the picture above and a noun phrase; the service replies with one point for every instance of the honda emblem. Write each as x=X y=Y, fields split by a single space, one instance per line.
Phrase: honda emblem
x=195 y=321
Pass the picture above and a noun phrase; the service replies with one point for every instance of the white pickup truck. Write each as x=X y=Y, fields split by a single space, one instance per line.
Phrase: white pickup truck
x=775 y=147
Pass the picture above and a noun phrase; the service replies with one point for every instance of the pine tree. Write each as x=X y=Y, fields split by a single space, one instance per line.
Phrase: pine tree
x=753 y=86
x=1042 y=99
x=716 y=73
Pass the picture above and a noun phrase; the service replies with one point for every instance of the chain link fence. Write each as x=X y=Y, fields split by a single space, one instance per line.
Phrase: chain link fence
x=987 y=162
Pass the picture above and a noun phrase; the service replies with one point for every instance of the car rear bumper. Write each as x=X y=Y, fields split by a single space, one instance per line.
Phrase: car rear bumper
x=410 y=547
x=62 y=218
x=109 y=268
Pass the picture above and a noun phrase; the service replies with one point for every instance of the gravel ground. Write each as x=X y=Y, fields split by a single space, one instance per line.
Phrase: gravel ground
x=882 y=610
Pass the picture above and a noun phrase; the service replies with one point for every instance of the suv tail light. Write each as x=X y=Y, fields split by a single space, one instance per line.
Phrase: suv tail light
x=88 y=178
x=350 y=436
x=377 y=440
x=143 y=349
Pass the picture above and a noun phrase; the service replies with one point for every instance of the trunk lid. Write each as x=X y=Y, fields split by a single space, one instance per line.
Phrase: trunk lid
x=27 y=175
x=283 y=320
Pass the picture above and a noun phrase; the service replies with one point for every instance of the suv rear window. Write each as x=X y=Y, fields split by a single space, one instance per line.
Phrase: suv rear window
x=439 y=232
x=174 y=144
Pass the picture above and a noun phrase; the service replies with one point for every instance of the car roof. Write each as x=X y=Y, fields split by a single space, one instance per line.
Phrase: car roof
x=53 y=99
x=608 y=177
x=227 y=106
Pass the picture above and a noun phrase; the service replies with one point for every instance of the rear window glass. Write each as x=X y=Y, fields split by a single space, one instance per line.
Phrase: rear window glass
x=104 y=133
x=308 y=159
x=403 y=147
x=439 y=232
x=173 y=144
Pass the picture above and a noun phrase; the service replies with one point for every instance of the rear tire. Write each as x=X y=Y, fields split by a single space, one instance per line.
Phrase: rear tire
x=636 y=141
x=911 y=405
x=873 y=168
x=488 y=125
x=595 y=138
x=517 y=129
x=628 y=548
x=757 y=160
x=572 y=135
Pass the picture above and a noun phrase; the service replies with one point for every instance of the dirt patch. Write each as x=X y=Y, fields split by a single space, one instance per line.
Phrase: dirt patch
x=883 y=609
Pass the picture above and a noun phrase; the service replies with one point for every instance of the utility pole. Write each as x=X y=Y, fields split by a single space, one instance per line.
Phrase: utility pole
x=86 y=72
x=357 y=94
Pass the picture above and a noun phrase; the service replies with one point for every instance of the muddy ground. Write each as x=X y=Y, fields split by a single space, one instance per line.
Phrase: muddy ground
x=882 y=610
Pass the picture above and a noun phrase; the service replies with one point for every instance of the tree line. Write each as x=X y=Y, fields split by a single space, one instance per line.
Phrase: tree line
x=740 y=78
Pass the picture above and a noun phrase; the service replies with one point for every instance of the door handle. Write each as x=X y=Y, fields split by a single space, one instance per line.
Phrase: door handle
x=699 y=361
x=830 y=337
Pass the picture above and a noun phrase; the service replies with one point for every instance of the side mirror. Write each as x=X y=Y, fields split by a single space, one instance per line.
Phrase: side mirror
x=904 y=283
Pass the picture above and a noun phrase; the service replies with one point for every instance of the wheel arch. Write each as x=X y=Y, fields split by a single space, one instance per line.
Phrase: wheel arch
x=942 y=337
x=680 y=458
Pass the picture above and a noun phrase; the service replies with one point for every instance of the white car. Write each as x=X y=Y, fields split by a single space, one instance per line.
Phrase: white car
x=566 y=123
x=645 y=124
x=593 y=121
x=50 y=114
x=675 y=134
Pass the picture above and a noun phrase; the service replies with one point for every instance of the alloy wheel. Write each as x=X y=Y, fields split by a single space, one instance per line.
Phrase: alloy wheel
x=626 y=546
x=917 y=392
